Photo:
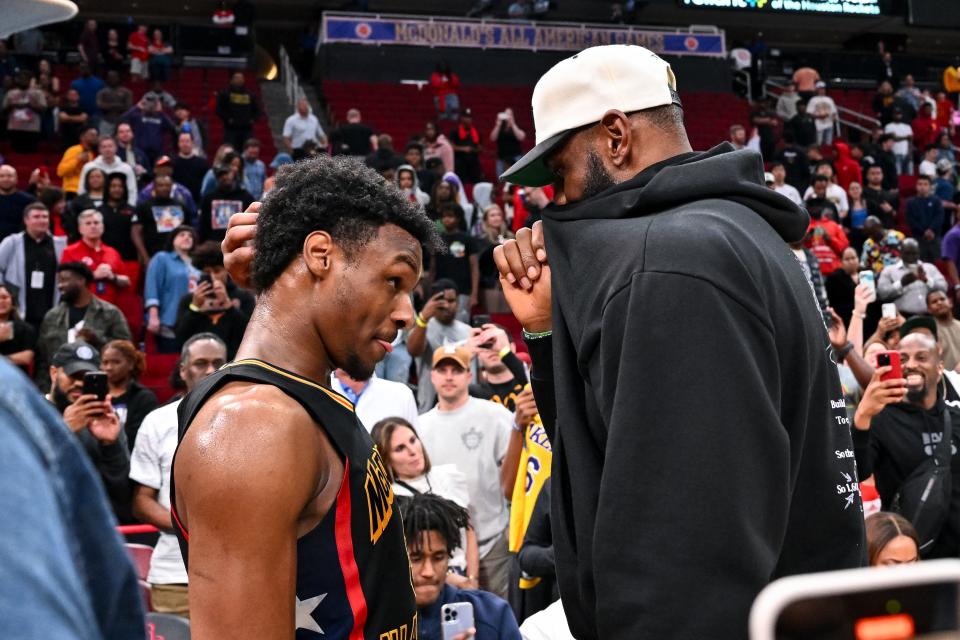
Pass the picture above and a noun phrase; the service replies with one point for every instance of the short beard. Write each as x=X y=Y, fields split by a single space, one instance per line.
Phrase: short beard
x=598 y=179
x=917 y=396
x=356 y=368
x=60 y=399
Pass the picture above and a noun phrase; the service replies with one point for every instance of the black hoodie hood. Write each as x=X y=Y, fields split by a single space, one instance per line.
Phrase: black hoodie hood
x=720 y=173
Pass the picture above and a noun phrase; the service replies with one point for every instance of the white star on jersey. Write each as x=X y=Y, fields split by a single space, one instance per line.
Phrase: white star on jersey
x=304 y=610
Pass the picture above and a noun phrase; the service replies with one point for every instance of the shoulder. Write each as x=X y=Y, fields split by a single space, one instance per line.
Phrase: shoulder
x=159 y=420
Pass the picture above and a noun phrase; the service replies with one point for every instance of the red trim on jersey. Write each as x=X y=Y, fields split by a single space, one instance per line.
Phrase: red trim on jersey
x=348 y=562
x=173 y=512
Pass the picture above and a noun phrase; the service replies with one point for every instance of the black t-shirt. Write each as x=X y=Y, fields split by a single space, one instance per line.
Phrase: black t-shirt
x=116 y=229
x=39 y=256
x=159 y=217
x=217 y=208
x=352 y=139
x=11 y=212
x=24 y=339
x=70 y=131
x=455 y=264
x=75 y=314
x=766 y=131
x=190 y=172
x=508 y=147
x=504 y=393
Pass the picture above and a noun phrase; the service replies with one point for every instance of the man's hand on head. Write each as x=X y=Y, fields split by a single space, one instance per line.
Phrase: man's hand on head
x=237 y=245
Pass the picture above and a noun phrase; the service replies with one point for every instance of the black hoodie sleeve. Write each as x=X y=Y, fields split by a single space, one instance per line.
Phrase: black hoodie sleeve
x=718 y=454
x=541 y=380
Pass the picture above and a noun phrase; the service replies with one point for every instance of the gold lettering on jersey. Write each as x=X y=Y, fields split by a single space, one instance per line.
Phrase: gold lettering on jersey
x=406 y=632
x=379 y=496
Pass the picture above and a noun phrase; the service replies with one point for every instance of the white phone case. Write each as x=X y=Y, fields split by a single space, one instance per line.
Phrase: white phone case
x=455 y=618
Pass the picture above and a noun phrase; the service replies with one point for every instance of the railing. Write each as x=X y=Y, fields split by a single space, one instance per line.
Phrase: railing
x=290 y=79
x=741 y=79
x=847 y=117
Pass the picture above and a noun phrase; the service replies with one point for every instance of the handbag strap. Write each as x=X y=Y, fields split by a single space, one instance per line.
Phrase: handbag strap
x=942 y=453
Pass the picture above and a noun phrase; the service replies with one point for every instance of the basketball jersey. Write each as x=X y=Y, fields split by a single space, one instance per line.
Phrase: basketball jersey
x=353 y=575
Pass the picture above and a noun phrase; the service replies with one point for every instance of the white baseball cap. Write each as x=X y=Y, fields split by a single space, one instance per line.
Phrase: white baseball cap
x=577 y=91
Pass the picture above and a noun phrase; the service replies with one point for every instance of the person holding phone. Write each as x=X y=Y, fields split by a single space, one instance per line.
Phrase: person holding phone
x=432 y=525
x=907 y=281
x=87 y=411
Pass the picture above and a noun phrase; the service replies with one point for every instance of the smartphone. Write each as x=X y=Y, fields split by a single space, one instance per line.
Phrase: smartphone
x=890 y=359
x=455 y=618
x=479 y=320
x=95 y=383
x=920 y=600
x=889 y=310
x=209 y=280
x=867 y=277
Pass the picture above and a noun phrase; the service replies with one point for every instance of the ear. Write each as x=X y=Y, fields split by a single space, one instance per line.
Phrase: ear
x=318 y=250
x=617 y=136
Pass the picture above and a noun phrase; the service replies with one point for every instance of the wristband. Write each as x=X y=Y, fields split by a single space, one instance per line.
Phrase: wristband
x=860 y=314
x=503 y=352
x=420 y=321
x=536 y=336
x=194 y=308
x=843 y=352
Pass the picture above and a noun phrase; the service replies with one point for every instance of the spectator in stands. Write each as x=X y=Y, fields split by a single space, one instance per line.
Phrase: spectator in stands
x=353 y=138
x=161 y=214
x=891 y=540
x=780 y=186
x=944 y=186
x=28 y=262
x=150 y=465
x=925 y=217
x=93 y=190
x=216 y=305
x=883 y=103
x=928 y=162
x=29 y=46
x=860 y=209
x=465 y=140
x=794 y=160
x=24 y=108
x=764 y=120
x=121 y=228
x=474 y=435
x=94 y=421
x=847 y=168
x=114 y=56
x=940 y=306
x=186 y=123
x=375 y=399
x=150 y=126
x=834 y=192
x=89 y=46
x=124 y=364
x=882 y=247
x=842 y=283
x=886 y=71
x=88 y=86
x=925 y=128
x=507 y=136
x=109 y=275
x=460 y=263
x=113 y=100
x=444 y=84
x=806 y=79
x=824 y=112
x=229 y=158
x=411 y=472
x=137 y=45
x=492 y=226
x=73 y=119
x=738 y=136
x=170 y=276
x=302 y=126
x=435 y=326
x=893 y=425
x=502 y=374
x=8 y=66
x=18 y=340
x=820 y=191
x=436 y=145
x=12 y=201
x=802 y=127
x=910 y=95
x=218 y=206
x=907 y=281
x=886 y=160
x=237 y=107
x=188 y=167
x=129 y=152
x=160 y=57
x=902 y=142
x=811 y=270
x=108 y=162
x=825 y=238
x=49 y=84
x=945 y=149
x=945 y=109
x=432 y=528
x=164 y=168
x=413 y=154
x=383 y=157
x=409 y=184
x=787 y=102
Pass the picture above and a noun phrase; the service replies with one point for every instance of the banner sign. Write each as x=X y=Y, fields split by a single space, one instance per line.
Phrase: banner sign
x=836 y=7
x=530 y=36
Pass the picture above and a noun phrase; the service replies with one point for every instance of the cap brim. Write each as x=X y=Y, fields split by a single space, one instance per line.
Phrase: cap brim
x=79 y=366
x=449 y=359
x=531 y=170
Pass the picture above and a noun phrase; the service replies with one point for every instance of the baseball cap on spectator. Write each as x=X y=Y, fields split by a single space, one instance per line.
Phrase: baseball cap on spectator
x=451 y=352
x=163 y=161
x=820 y=84
x=577 y=91
x=944 y=165
x=919 y=322
x=221 y=170
x=76 y=357
x=280 y=159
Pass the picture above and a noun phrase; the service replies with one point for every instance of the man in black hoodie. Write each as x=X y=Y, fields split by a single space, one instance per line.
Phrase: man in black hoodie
x=701 y=443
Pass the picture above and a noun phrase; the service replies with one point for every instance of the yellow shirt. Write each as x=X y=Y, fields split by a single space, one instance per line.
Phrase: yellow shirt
x=71 y=165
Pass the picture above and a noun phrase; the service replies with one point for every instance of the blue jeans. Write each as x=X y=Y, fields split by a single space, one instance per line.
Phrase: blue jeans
x=66 y=573
x=450 y=109
x=396 y=366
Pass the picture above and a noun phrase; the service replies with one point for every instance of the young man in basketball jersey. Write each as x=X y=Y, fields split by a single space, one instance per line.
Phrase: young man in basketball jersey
x=281 y=499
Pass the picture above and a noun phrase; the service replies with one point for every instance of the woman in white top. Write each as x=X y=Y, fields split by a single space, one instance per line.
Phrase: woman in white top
x=409 y=467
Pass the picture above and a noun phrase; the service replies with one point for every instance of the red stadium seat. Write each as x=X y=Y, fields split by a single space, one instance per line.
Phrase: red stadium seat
x=140 y=554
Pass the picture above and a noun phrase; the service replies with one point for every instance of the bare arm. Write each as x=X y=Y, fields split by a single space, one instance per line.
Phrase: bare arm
x=225 y=484
x=136 y=235
x=22 y=358
x=146 y=509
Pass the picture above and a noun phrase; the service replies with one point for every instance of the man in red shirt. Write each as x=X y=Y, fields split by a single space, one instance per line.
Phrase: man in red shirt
x=825 y=238
x=137 y=46
x=925 y=128
x=103 y=260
